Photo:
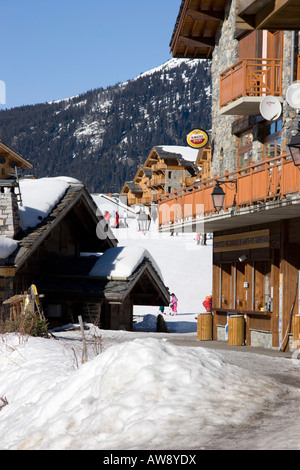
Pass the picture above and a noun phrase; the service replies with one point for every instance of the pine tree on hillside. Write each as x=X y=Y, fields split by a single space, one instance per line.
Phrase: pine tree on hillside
x=102 y=136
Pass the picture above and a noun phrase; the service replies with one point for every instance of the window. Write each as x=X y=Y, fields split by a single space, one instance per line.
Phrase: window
x=262 y=285
x=245 y=151
x=272 y=139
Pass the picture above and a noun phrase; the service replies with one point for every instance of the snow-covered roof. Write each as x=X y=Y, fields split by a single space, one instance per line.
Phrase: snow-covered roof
x=40 y=196
x=121 y=262
x=7 y=246
x=111 y=204
x=187 y=153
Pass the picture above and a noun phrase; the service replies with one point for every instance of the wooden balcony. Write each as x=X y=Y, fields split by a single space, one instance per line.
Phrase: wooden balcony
x=156 y=197
x=273 y=180
x=156 y=182
x=159 y=167
x=243 y=85
x=188 y=180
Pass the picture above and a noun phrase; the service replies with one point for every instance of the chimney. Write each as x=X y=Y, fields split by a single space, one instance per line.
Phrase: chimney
x=10 y=222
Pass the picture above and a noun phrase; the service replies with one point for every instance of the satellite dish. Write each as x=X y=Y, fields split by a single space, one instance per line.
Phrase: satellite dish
x=270 y=108
x=293 y=95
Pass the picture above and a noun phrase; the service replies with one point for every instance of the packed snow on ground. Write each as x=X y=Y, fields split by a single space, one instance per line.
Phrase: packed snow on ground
x=138 y=390
x=185 y=266
x=139 y=393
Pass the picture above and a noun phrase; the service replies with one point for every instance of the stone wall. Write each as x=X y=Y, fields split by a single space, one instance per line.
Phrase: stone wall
x=173 y=177
x=10 y=223
x=290 y=117
x=226 y=53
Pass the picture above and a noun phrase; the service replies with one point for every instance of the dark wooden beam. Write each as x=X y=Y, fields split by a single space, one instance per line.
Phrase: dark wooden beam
x=250 y=20
x=206 y=15
x=197 y=42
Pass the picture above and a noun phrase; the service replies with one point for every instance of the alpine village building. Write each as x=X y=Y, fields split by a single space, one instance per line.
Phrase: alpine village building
x=167 y=169
x=67 y=254
x=254 y=47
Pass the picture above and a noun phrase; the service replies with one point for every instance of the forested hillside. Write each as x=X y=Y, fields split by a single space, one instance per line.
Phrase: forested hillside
x=103 y=135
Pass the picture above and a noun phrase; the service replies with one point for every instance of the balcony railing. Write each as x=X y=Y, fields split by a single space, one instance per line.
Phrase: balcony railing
x=251 y=77
x=265 y=181
x=159 y=167
x=155 y=182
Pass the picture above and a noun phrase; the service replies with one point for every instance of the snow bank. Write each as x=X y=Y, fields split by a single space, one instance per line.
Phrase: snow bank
x=149 y=323
x=121 y=262
x=7 y=246
x=140 y=394
x=39 y=197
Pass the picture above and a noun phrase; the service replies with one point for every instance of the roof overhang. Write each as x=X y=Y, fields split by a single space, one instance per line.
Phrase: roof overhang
x=196 y=27
x=271 y=15
x=15 y=157
x=144 y=286
x=263 y=213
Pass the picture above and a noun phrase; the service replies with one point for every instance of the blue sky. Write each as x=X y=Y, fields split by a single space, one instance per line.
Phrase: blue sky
x=60 y=48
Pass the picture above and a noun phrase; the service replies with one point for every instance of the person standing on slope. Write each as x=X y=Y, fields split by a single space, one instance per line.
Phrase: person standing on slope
x=173 y=304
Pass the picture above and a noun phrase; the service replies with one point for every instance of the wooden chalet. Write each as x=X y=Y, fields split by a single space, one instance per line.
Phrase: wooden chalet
x=10 y=160
x=137 y=191
x=256 y=242
x=166 y=169
x=57 y=256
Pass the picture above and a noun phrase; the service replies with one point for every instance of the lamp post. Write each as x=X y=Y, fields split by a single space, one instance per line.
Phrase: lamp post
x=218 y=195
x=294 y=147
x=143 y=222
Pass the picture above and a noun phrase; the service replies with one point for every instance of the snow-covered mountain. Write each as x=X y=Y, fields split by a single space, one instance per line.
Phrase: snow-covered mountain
x=103 y=135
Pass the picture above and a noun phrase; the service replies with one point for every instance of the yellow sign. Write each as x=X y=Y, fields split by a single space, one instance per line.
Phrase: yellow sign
x=197 y=139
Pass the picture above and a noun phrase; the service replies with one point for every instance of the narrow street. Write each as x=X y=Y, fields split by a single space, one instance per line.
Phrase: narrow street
x=277 y=425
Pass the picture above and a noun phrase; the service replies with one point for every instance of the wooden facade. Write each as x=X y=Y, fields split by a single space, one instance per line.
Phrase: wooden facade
x=261 y=183
x=256 y=263
x=58 y=255
x=256 y=274
x=10 y=161
x=164 y=170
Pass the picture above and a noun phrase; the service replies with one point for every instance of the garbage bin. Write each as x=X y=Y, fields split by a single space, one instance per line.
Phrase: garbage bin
x=204 y=327
x=236 y=330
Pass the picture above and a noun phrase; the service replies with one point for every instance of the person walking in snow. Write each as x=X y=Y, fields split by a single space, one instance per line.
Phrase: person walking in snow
x=117 y=221
x=173 y=304
x=161 y=310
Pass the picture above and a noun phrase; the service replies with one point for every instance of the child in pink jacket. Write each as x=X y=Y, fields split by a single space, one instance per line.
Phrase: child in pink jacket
x=173 y=304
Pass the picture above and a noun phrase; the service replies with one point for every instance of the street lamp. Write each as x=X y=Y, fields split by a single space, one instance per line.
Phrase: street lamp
x=143 y=222
x=218 y=195
x=294 y=147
